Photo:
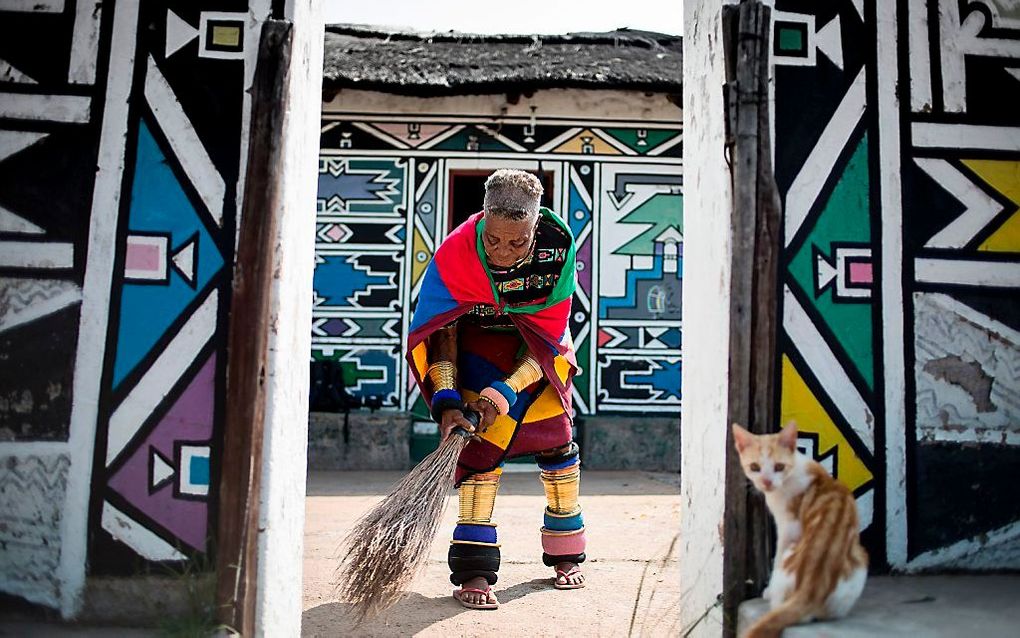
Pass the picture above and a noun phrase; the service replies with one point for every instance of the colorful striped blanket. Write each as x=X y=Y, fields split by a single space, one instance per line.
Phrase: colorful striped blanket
x=456 y=281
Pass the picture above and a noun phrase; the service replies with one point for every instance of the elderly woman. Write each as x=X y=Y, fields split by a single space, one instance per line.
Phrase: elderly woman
x=491 y=334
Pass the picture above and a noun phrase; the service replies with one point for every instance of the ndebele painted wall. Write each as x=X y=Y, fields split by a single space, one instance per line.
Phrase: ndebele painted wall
x=122 y=136
x=388 y=167
x=898 y=159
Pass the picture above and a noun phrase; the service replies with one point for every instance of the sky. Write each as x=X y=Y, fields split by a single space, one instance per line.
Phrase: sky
x=513 y=16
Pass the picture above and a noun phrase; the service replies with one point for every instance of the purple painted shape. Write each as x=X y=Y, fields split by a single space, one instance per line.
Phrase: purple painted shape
x=335 y=327
x=584 y=257
x=190 y=419
x=861 y=272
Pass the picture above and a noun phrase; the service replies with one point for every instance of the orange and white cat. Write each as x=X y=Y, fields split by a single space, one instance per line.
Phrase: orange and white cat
x=820 y=566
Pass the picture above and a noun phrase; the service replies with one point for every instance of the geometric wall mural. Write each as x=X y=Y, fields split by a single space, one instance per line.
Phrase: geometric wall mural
x=385 y=202
x=122 y=139
x=159 y=421
x=901 y=260
x=51 y=78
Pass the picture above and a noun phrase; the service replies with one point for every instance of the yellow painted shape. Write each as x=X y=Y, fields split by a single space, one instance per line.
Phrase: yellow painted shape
x=1006 y=239
x=546 y=406
x=420 y=256
x=226 y=36
x=581 y=143
x=800 y=405
x=1003 y=176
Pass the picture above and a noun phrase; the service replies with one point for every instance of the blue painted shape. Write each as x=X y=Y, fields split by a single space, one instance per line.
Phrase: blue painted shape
x=381 y=360
x=198 y=470
x=633 y=276
x=666 y=379
x=427 y=208
x=434 y=299
x=475 y=533
x=579 y=214
x=563 y=523
x=401 y=234
x=671 y=338
x=159 y=205
x=354 y=187
x=338 y=279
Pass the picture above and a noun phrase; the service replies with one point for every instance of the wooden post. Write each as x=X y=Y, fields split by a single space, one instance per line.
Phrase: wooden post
x=241 y=471
x=754 y=303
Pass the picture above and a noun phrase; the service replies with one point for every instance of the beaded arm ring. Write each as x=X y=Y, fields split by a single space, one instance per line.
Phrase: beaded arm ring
x=443 y=375
x=503 y=394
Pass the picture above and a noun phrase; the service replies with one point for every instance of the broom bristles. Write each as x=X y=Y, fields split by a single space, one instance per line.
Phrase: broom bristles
x=389 y=545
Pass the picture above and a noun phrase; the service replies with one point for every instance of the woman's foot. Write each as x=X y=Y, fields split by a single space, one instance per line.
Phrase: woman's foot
x=476 y=591
x=568 y=576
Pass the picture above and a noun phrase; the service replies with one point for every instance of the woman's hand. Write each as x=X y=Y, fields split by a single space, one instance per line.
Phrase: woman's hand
x=453 y=418
x=487 y=412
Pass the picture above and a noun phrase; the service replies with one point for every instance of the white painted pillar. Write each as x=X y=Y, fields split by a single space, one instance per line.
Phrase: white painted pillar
x=282 y=513
x=94 y=321
x=706 y=304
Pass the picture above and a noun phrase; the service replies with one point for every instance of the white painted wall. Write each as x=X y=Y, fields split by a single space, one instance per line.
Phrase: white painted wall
x=94 y=309
x=282 y=508
x=561 y=103
x=528 y=16
x=706 y=303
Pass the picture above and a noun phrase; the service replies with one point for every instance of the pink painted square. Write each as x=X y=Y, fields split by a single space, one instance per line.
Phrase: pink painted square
x=861 y=272
x=143 y=257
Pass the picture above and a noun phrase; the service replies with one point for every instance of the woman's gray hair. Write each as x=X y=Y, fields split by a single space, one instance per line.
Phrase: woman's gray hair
x=513 y=194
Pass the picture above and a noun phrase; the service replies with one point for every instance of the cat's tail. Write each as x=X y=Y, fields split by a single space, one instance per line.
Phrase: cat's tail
x=793 y=610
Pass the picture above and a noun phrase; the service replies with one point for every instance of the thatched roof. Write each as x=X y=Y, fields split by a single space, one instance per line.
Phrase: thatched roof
x=426 y=64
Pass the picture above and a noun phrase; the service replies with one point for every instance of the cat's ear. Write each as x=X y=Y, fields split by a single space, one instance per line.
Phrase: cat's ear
x=741 y=437
x=788 y=436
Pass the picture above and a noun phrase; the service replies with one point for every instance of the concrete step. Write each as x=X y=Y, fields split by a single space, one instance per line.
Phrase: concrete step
x=952 y=606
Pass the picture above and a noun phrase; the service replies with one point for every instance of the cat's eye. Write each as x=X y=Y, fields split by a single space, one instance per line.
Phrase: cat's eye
x=755 y=467
x=779 y=467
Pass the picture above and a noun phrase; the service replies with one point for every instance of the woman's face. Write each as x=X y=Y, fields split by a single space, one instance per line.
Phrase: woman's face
x=507 y=241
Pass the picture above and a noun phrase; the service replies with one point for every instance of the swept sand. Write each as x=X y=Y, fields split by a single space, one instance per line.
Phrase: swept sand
x=633 y=589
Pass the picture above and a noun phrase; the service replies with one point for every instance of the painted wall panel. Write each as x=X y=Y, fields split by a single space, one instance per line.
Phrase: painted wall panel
x=384 y=206
x=900 y=266
x=122 y=138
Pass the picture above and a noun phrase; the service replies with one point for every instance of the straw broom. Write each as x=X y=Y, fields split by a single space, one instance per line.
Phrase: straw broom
x=389 y=545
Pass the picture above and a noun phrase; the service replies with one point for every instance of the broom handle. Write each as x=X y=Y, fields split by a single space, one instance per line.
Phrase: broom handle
x=473 y=418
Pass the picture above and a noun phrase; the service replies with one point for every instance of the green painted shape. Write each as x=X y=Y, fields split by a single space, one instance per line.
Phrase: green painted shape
x=845 y=218
x=352 y=373
x=460 y=140
x=420 y=411
x=653 y=137
x=663 y=211
x=791 y=40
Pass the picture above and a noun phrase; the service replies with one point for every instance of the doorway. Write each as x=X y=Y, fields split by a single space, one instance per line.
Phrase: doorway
x=467 y=192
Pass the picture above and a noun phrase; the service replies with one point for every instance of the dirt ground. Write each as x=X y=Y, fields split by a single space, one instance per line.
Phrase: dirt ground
x=633 y=588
